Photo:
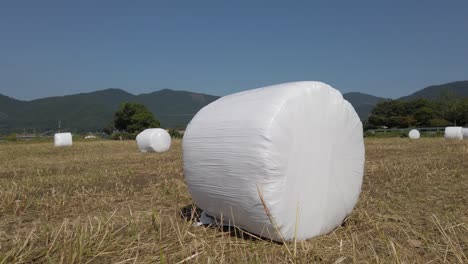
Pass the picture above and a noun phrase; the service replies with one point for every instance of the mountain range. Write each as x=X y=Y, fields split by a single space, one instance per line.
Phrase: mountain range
x=453 y=89
x=92 y=111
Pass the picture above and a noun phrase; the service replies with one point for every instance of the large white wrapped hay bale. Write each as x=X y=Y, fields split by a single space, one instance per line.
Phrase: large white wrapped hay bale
x=63 y=139
x=465 y=133
x=153 y=140
x=297 y=145
x=414 y=134
x=453 y=132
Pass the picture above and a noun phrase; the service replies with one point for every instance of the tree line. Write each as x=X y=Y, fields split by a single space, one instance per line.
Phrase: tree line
x=419 y=113
x=132 y=118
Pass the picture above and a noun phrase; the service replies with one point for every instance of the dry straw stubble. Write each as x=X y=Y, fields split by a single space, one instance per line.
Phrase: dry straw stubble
x=104 y=202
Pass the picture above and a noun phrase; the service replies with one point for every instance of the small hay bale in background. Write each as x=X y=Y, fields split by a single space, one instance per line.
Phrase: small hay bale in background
x=153 y=140
x=465 y=133
x=284 y=162
x=453 y=132
x=414 y=134
x=63 y=139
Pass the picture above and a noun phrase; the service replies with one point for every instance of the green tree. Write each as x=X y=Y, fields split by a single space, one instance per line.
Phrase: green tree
x=393 y=113
x=375 y=121
x=438 y=122
x=449 y=110
x=415 y=105
x=464 y=112
x=418 y=112
x=175 y=133
x=134 y=118
x=109 y=129
x=423 y=116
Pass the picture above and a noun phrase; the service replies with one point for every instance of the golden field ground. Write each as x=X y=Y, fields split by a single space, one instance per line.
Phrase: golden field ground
x=104 y=202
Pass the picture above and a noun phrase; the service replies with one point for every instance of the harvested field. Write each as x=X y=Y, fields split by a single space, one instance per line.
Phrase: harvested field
x=104 y=202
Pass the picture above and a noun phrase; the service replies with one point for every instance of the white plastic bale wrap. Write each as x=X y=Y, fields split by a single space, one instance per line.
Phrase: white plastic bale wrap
x=453 y=133
x=414 y=134
x=63 y=139
x=153 y=140
x=465 y=133
x=300 y=144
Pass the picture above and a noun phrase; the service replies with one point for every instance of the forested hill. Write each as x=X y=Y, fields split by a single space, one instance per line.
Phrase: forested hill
x=93 y=111
x=453 y=89
x=434 y=106
x=363 y=103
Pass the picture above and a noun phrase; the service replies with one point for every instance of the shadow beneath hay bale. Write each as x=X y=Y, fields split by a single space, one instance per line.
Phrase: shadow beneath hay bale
x=191 y=213
x=345 y=222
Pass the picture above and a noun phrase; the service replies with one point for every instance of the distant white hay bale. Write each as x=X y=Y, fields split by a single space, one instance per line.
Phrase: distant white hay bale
x=63 y=139
x=283 y=162
x=90 y=137
x=153 y=140
x=465 y=133
x=453 y=133
x=414 y=134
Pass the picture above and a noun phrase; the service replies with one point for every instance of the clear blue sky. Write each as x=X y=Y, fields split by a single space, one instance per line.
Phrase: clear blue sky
x=387 y=49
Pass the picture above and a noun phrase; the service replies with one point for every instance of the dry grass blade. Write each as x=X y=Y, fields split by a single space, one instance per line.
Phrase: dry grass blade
x=273 y=221
x=189 y=258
